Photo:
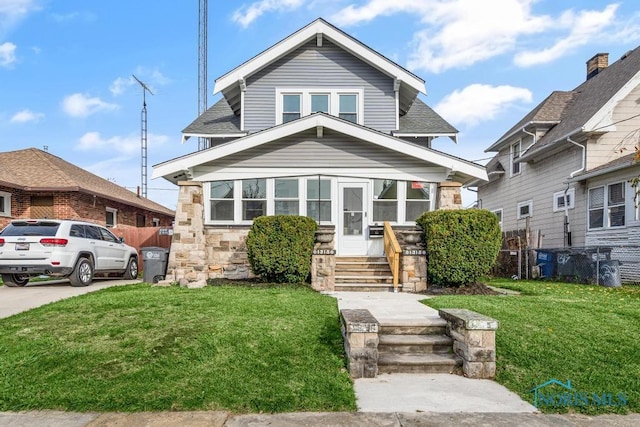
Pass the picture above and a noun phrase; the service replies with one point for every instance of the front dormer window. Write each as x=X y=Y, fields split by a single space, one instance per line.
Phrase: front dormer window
x=291 y=107
x=293 y=103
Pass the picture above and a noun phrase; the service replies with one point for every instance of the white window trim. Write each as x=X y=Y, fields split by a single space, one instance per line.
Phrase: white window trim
x=495 y=211
x=511 y=158
x=606 y=216
x=155 y=222
x=525 y=203
x=305 y=100
x=6 y=207
x=115 y=216
x=571 y=193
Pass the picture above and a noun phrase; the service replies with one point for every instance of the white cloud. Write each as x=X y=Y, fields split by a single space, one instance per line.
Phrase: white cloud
x=25 y=116
x=150 y=77
x=245 y=15
x=7 y=54
x=80 y=105
x=120 y=84
x=479 y=102
x=584 y=27
x=460 y=33
x=13 y=11
x=126 y=145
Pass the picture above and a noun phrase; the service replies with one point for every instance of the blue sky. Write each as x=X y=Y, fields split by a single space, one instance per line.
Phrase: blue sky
x=66 y=66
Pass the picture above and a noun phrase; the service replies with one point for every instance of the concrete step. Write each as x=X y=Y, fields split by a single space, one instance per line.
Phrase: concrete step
x=432 y=326
x=423 y=364
x=365 y=287
x=415 y=344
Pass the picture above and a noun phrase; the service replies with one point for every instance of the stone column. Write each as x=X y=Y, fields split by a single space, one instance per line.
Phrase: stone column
x=449 y=195
x=413 y=261
x=323 y=261
x=187 y=257
x=360 y=333
x=474 y=340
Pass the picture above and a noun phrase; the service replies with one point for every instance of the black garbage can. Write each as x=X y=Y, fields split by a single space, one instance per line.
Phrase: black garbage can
x=155 y=263
x=609 y=273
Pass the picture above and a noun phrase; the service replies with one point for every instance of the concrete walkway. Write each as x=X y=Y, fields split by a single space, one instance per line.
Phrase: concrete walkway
x=422 y=392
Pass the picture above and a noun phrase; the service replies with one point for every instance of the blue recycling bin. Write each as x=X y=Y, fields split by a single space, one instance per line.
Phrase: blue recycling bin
x=546 y=260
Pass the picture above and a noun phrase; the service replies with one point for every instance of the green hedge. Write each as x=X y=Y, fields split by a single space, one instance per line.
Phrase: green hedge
x=279 y=247
x=462 y=245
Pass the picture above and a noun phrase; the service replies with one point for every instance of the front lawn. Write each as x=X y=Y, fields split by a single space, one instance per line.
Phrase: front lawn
x=142 y=348
x=586 y=334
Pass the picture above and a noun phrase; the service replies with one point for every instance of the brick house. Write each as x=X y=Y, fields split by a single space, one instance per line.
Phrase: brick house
x=37 y=184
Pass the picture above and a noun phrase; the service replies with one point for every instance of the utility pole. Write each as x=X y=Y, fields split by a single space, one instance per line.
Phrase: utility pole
x=143 y=136
x=202 y=64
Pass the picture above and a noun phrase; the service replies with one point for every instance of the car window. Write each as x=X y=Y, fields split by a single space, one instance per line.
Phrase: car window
x=93 y=232
x=106 y=235
x=23 y=228
x=77 y=230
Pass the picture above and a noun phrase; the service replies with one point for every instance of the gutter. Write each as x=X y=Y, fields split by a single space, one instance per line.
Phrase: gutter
x=501 y=140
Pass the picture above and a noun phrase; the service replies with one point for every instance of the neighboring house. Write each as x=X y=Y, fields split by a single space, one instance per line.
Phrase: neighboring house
x=318 y=125
x=565 y=166
x=37 y=184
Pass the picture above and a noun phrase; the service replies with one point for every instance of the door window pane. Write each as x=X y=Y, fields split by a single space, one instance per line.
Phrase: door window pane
x=352 y=211
x=320 y=102
x=290 y=108
x=254 y=195
x=385 y=200
x=349 y=107
x=221 y=203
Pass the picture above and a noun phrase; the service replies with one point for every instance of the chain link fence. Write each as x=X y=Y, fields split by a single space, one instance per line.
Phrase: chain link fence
x=605 y=265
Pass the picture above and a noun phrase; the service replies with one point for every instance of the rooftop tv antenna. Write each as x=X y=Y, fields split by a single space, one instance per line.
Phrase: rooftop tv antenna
x=202 y=64
x=143 y=135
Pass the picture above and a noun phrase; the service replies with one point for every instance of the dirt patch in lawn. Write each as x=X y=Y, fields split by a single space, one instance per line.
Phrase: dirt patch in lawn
x=472 y=289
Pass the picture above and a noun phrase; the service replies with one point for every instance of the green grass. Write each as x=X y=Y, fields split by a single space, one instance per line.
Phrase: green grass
x=142 y=348
x=587 y=334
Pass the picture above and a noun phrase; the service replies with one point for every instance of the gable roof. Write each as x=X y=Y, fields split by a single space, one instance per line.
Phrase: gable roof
x=422 y=119
x=316 y=30
x=549 y=112
x=593 y=102
x=460 y=170
x=36 y=170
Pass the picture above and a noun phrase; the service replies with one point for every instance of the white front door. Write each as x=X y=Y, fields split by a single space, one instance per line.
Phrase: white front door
x=352 y=218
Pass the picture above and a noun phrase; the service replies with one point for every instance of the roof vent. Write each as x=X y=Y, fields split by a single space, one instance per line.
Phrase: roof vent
x=597 y=63
x=627 y=53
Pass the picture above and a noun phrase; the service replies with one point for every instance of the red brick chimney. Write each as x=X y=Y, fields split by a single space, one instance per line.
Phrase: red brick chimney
x=599 y=62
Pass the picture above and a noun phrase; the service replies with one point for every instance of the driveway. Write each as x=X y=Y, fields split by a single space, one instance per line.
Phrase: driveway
x=16 y=300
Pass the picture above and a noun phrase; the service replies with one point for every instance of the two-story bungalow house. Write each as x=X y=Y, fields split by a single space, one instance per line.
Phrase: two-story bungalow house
x=565 y=166
x=320 y=125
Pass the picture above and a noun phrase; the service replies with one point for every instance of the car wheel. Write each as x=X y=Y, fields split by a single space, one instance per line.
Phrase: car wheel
x=132 y=270
x=14 y=280
x=83 y=273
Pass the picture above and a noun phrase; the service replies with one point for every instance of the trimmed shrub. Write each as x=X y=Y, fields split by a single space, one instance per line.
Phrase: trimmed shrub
x=279 y=247
x=462 y=245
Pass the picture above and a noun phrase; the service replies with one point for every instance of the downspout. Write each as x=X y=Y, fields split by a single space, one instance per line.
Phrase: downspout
x=535 y=138
x=571 y=175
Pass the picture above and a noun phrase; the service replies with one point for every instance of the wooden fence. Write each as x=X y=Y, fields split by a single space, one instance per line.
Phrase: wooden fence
x=141 y=237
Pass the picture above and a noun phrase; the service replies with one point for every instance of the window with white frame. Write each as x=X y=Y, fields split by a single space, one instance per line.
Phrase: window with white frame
x=254 y=198
x=418 y=199
x=293 y=103
x=221 y=200
x=560 y=202
x=155 y=222
x=385 y=200
x=286 y=197
x=607 y=206
x=111 y=217
x=291 y=107
x=515 y=153
x=498 y=213
x=525 y=209
x=319 y=199
x=5 y=203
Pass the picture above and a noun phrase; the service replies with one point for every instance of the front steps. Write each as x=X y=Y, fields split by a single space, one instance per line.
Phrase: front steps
x=416 y=347
x=363 y=274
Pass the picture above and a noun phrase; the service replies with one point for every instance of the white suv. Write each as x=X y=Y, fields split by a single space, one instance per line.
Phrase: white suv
x=63 y=248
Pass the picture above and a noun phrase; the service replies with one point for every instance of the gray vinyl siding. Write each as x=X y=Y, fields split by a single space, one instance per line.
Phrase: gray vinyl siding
x=307 y=150
x=328 y=67
x=538 y=182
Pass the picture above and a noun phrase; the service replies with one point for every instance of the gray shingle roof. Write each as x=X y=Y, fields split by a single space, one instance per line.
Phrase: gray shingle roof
x=36 y=170
x=218 y=119
x=589 y=98
x=421 y=119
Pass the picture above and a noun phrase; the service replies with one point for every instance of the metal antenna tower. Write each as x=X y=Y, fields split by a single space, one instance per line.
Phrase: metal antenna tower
x=202 y=64
x=143 y=135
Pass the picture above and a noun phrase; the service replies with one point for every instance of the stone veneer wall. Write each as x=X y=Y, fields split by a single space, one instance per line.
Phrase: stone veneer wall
x=449 y=195
x=413 y=260
x=323 y=260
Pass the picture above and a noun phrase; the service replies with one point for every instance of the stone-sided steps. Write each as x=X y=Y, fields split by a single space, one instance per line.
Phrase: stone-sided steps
x=365 y=274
